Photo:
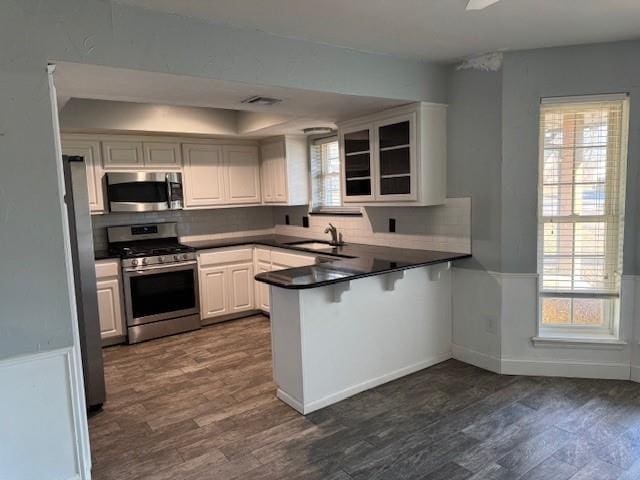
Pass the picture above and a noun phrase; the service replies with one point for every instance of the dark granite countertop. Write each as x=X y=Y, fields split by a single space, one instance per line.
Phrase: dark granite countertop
x=104 y=255
x=357 y=260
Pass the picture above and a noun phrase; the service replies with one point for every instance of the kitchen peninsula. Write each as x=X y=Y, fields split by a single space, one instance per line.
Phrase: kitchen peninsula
x=346 y=325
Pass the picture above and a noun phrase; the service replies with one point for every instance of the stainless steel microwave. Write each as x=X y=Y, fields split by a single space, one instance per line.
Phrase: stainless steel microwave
x=144 y=191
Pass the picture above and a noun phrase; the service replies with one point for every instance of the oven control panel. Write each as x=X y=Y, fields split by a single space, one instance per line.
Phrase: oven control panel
x=158 y=260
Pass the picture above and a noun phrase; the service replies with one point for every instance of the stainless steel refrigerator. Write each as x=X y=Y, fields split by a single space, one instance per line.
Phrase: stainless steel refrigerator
x=84 y=274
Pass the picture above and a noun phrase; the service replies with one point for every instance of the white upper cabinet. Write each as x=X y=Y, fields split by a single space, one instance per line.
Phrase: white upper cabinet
x=242 y=174
x=356 y=155
x=285 y=170
x=216 y=173
x=162 y=155
x=122 y=155
x=396 y=157
x=135 y=153
x=204 y=175
x=90 y=150
x=396 y=178
x=271 y=153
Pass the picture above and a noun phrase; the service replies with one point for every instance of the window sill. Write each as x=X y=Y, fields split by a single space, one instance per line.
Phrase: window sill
x=600 y=342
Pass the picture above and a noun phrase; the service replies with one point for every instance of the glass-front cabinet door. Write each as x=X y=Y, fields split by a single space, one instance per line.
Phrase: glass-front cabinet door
x=357 y=151
x=396 y=154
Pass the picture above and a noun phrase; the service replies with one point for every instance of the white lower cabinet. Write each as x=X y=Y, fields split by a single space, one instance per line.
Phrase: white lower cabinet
x=262 y=289
x=241 y=287
x=110 y=306
x=262 y=264
x=267 y=260
x=214 y=299
x=227 y=278
x=226 y=282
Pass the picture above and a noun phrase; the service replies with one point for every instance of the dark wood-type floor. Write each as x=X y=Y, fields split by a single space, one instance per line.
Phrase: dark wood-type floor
x=202 y=406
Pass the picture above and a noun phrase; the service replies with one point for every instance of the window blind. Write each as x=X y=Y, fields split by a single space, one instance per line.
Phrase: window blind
x=581 y=208
x=325 y=174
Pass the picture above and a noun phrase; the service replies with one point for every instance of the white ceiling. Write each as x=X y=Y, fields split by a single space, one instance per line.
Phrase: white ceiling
x=439 y=30
x=299 y=108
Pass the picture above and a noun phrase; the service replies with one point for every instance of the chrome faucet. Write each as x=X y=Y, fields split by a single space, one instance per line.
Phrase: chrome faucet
x=334 y=234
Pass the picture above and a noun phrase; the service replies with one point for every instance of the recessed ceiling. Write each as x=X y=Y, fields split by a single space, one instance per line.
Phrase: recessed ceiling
x=298 y=109
x=439 y=30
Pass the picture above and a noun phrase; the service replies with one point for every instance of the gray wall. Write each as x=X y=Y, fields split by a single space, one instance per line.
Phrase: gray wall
x=530 y=75
x=474 y=158
x=493 y=144
x=34 y=308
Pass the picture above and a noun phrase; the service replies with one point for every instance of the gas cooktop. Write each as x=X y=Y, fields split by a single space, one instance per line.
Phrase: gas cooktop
x=148 y=248
x=141 y=253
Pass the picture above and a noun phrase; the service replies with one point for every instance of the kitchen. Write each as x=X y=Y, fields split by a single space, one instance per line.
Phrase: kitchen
x=190 y=231
x=128 y=175
x=354 y=242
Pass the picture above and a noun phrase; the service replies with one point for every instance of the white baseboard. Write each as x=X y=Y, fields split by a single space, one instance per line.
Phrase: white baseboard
x=473 y=357
x=611 y=371
x=635 y=373
x=291 y=401
x=306 y=408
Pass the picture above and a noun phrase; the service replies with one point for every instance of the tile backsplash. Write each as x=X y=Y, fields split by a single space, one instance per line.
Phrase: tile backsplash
x=444 y=227
x=218 y=222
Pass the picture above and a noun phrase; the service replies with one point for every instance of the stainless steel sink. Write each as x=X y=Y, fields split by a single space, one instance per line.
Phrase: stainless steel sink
x=312 y=245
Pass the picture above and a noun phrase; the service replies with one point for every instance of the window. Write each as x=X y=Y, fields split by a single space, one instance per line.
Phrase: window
x=581 y=214
x=325 y=177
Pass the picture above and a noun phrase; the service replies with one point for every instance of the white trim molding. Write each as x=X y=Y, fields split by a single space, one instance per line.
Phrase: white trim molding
x=306 y=408
x=479 y=359
x=74 y=378
x=580 y=342
x=42 y=412
x=513 y=347
x=565 y=368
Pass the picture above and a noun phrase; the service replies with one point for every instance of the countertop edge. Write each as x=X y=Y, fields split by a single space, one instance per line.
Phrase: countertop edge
x=103 y=255
x=356 y=276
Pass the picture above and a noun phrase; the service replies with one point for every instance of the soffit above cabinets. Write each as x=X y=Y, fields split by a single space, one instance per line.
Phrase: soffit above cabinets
x=121 y=100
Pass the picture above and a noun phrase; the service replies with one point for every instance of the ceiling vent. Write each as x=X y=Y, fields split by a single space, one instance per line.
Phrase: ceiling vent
x=265 y=101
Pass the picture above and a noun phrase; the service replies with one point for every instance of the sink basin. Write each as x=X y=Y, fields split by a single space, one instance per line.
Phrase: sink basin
x=314 y=245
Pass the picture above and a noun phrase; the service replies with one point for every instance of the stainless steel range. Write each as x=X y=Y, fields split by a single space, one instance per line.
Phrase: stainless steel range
x=160 y=280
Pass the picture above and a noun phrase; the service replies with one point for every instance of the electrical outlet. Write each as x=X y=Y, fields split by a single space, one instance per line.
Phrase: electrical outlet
x=305 y=221
x=490 y=325
x=286 y=220
x=392 y=225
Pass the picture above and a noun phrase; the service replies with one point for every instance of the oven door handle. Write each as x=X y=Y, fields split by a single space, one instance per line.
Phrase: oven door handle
x=173 y=267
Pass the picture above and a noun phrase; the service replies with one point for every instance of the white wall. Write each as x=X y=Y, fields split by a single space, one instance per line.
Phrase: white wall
x=39 y=418
x=480 y=298
x=443 y=227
